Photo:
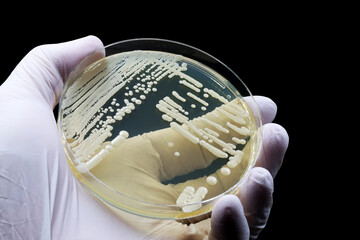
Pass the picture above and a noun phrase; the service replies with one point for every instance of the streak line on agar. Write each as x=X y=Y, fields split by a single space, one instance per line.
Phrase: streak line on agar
x=236 y=119
x=172 y=103
x=175 y=94
x=176 y=115
x=239 y=110
x=167 y=117
x=242 y=131
x=217 y=152
x=189 y=85
x=197 y=99
x=179 y=129
x=214 y=124
x=212 y=132
x=219 y=141
x=191 y=80
x=217 y=96
x=239 y=141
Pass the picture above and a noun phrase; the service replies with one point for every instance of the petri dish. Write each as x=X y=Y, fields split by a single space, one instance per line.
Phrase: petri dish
x=158 y=128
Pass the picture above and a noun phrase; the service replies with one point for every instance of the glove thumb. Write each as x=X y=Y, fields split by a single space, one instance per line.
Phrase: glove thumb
x=41 y=73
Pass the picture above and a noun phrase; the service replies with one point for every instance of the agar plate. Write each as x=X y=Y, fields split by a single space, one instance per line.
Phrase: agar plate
x=158 y=128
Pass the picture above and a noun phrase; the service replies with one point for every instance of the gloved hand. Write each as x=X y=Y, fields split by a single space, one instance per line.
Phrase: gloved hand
x=41 y=199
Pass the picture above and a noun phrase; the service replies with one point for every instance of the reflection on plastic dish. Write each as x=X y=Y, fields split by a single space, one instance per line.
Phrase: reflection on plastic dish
x=157 y=128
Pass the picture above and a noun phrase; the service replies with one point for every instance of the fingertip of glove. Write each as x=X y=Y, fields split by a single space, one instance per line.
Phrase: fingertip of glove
x=275 y=144
x=228 y=219
x=94 y=41
x=268 y=108
x=277 y=137
x=256 y=191
x=256 y=197
x=280 y=134
x=262 y=177
x=73 y=52
x=227 y=205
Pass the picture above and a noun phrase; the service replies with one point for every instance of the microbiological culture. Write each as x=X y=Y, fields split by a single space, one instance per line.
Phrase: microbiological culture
x=158 y=128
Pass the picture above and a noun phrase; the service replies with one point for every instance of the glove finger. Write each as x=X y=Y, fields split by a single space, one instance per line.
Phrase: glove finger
x=266 y=107
x=256 y=198
x=228 y=220
x=275 y=143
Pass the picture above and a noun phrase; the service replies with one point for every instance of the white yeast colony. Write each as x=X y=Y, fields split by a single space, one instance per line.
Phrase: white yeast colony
x=87 y=123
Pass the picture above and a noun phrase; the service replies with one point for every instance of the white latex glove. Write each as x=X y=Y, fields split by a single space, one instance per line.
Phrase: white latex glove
x=41 y=199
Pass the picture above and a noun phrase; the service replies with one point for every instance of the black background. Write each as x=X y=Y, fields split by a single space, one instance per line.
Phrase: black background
x=272 y=50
